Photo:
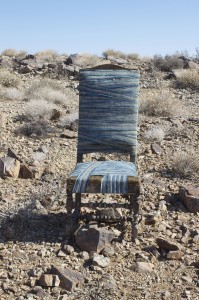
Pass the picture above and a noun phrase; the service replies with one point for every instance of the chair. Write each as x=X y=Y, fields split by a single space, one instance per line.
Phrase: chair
x=108 y=109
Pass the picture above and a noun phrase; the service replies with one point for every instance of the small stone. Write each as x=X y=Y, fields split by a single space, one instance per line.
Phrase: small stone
x=156 y=149
x=84 y=255
x=69 y=249
x=143 y=267
x=101 y=261
x=108 y=251
x=49 y=280
x=9 y=167
x=61 y=253
x=176 y=255
x=69 y=279
x=69 y=134
x=190 y=198
x=167 y=244
x=153 y=218
x=25 y=172
x=93 y=238
x=2 y=120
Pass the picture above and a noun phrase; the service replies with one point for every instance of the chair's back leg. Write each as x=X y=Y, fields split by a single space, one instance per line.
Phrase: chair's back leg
x=134 y=200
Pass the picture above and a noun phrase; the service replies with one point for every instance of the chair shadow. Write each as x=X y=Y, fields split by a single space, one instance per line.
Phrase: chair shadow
x=30 y=226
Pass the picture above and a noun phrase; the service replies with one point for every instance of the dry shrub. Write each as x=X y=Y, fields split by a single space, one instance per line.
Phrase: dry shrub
x=47 y=55
x=65 y=121
x=38 y=84
x=11 y=94
x=111 y=52
x=38 y=109
x=154 y=134
x=185 y=164
x=188 y=79
x=160 y=104
x=85 y=60
x=8 y=79
x=39 y=127
x=9 y=52
x=133 y=56
x=168 y=62
x=14 y=53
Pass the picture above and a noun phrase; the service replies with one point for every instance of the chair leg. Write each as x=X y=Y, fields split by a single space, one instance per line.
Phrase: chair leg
x=135 y=214
x=77 y=205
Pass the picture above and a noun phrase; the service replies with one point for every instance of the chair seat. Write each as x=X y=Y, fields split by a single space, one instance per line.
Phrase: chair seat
x=112 y=177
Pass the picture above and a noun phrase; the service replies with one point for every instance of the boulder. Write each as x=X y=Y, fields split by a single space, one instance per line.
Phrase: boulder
x=9 y=167
x=189 y=196
x=93 y=239
x=69 y=279
x=167 y=244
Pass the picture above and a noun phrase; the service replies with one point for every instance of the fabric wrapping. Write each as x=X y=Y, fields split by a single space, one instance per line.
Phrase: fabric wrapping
x=108 y=111
x=115 y=176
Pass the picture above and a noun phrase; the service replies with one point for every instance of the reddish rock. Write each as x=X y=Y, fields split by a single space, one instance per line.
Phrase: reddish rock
x=189 y=196
x=69 y=279
x=167 y=244
x=176 y=255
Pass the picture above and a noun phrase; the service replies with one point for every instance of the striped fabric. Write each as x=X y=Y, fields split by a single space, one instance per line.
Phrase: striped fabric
x=108 y=111
x=115 y=176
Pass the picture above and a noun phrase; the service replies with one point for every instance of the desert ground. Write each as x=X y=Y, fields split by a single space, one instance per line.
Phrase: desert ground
x=38 y=140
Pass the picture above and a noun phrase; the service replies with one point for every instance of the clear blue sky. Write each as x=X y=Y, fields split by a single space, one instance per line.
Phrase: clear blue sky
x=146 y=27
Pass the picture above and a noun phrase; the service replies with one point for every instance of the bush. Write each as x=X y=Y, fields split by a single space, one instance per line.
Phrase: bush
x=8 y=79
x=11 y=94
x=40 y=109
x=47 y=55
x=37 y=85
x=154 y=134
x=114 y=53
x=160 y=104
x=85 y=60
x=168 y=62
x=65 y=121
x=9 y=52
x=187 y=79
x=185 y=164
x=39 y=127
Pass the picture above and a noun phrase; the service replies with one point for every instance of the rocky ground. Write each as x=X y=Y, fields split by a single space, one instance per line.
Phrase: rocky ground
x=38 y=260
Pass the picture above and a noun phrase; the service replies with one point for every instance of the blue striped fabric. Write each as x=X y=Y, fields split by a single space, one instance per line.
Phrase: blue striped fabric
x=108 y=111
x=115 y=176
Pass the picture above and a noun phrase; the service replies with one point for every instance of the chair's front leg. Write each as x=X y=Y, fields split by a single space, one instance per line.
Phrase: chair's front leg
x=135 y=215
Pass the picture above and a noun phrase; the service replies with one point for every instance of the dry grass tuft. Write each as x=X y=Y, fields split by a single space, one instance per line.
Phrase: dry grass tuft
x=11 y=94
x=168 y=62
x=185 y=164
x=160 y=104
x=14 y=53
x=154 y=134
x=40 y=109
x=187 y=79
x=8 y=79
x=47 y=55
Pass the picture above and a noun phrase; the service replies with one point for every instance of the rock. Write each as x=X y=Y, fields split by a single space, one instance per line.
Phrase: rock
x=2 y=120
x=11 y=153
x=176 y=255
x=69 y=249
x=101 y=261
x=49 y=280
x=190 y=198
x=25 y=69
x=74 y=125
x=84 y=255
x=25 y=172
x=153 y=218
x=143 y=267
x=69 y=279
x=9 y=167
x=108 y=251
x=156 y=149
x=93 y=239
x=56 y=114
x=167 y=244
x=69 y=134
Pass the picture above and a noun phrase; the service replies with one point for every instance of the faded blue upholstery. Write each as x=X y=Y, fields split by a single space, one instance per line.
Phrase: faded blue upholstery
x=115 y=176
